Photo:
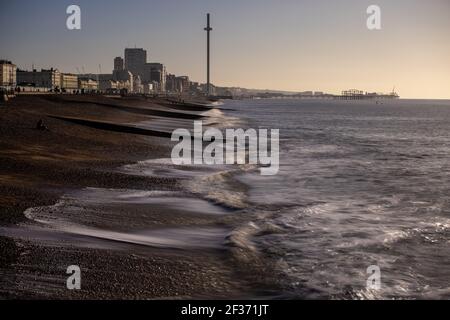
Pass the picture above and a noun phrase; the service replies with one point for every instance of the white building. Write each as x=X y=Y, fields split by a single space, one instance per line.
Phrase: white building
x=7 y=74
x=137 y=85
x=87 y=84
x=69 y=82
x=148 y=88
x=125 y=85
x=125 y=77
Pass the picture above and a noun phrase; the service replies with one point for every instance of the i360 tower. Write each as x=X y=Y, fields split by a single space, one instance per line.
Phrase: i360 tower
x=208 y=30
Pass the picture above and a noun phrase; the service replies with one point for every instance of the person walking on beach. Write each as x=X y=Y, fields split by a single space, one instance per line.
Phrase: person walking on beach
x=41 y=126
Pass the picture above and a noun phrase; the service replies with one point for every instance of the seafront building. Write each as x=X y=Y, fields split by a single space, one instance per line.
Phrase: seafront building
x=137 y=84
x=8 y=72
x=108 y=86
x=170 y=83
x=125 y=77
x=125 y=86
x=46 y=78
x=132 y=74
x=115 y=82
x=183 y=84
x=148 y=88
x=194 y=88
x=135 y=59
x=156 y=72
x=86 y=84
x=118 y=64
x=143 y=77
x=180 y=84
x=106 y=82
x=69 y=82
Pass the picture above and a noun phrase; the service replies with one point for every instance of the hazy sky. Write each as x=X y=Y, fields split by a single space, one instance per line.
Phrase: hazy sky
x=278 y=44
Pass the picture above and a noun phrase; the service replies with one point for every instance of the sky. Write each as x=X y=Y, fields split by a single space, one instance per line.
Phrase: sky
x=292 y=45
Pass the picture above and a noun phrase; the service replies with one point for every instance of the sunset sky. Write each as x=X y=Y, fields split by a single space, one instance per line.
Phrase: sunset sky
x=291 y=45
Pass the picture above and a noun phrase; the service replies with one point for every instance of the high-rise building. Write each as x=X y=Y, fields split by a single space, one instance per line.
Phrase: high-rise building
x=183 y=84
x=135 y=59
x=142 y=73
x=7 y=74
x=171 y=83
x=155 y=72
x=118 y=64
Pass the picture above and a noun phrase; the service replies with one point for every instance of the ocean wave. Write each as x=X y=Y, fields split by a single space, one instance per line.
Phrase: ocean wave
x=215 y=183
x=222 y=187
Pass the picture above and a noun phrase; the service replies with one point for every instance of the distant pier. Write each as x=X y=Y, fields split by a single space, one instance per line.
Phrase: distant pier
x=354 y=94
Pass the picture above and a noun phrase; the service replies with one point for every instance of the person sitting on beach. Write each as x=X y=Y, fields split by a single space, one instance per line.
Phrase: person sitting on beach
x=41 y=126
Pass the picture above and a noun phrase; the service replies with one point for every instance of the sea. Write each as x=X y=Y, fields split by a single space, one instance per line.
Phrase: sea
x=361 y=184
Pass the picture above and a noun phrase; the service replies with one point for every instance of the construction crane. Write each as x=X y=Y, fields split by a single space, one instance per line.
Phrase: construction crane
x=99 y=72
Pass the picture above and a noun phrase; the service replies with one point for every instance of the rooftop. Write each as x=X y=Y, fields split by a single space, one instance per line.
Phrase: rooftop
x=6 y=62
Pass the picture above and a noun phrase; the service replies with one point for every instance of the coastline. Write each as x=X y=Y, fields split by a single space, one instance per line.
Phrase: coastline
x=38 y=168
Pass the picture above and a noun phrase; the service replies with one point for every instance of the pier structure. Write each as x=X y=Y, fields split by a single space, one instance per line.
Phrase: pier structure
x=354 y=94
